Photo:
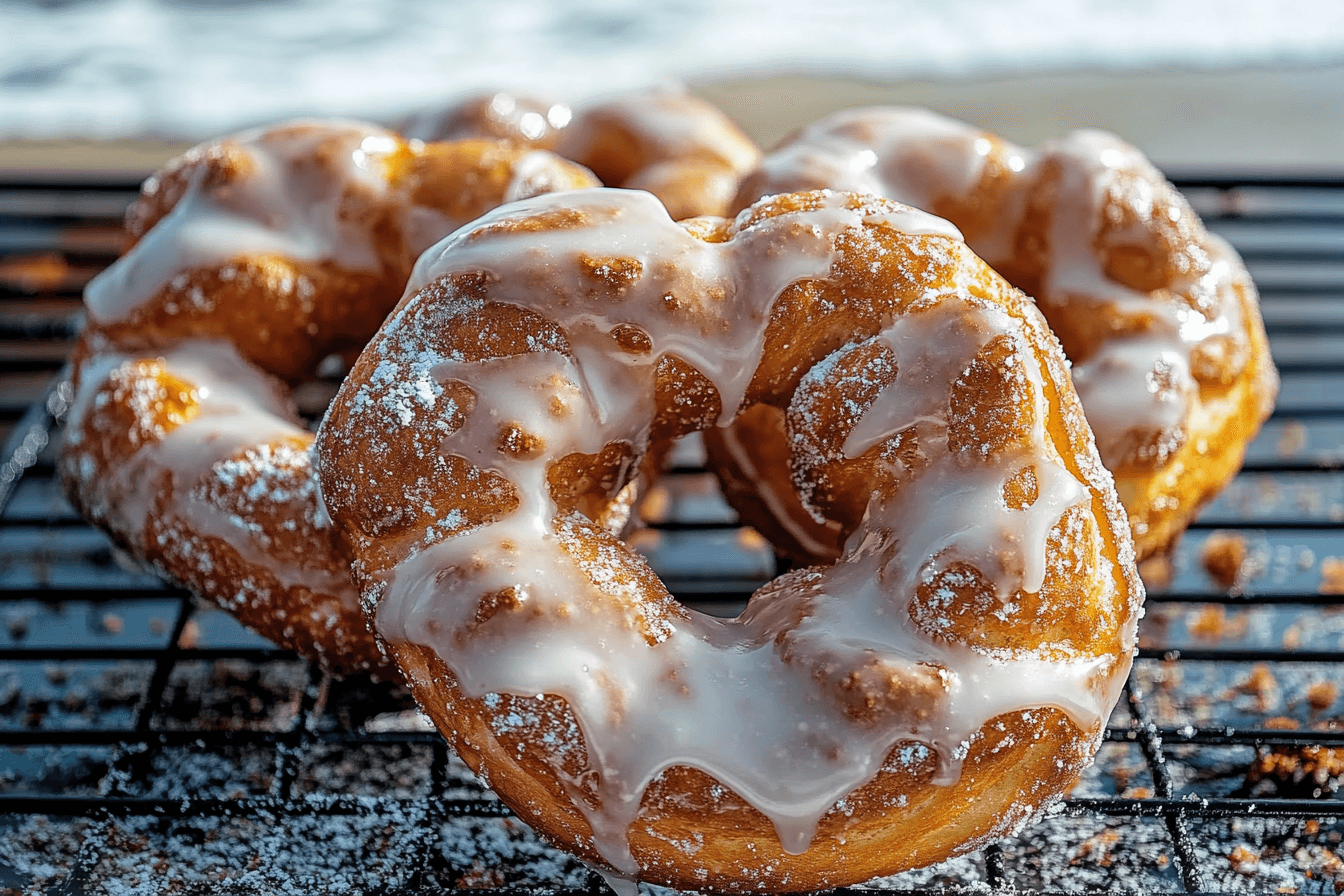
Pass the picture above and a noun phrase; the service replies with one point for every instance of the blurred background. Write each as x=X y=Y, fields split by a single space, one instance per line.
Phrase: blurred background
x=1197 y=83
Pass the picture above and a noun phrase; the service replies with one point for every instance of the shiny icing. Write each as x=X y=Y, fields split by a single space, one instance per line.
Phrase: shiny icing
x=239 y=431
x=653 y=685
x=283 y=206
x=1138 y=389
x=669 y=121
x=290 y=201
x=301 y=191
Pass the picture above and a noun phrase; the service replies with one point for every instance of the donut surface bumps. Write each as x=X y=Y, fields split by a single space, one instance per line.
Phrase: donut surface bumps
x=940 y=683
x=254 y=258
x=1158 y=317
x=677 y=146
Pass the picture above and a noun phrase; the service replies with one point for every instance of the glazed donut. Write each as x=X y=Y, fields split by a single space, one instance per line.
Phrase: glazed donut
x=677 y=146
x=253 y=259
x=935 y=688
x=1158 y=316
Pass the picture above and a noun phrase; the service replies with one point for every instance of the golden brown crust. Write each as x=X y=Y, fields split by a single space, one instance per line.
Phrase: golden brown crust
x=677 y=146
x=694 y=834
x=234 y=516
x=1208 y=460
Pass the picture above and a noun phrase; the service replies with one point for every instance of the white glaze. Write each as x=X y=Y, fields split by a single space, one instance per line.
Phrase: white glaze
x=307 y=191
x=240 y=427
x=961 y=506
x=746 y=700
x=284 y=205
x=916 y=156
x=669 y=121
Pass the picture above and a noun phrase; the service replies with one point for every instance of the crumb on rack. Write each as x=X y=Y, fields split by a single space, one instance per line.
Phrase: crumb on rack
x=1321 y=695
x=1292 y=439
x=1244 y=859
x=1332 y=575
x=1226 y=558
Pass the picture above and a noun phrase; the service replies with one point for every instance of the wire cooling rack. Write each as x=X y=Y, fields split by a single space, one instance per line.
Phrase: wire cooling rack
x=149 y=744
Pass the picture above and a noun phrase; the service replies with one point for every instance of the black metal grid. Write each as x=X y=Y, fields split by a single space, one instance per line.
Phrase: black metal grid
x=137 y=727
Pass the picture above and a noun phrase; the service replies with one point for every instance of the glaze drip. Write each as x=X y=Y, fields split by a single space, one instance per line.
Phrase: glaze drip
x=281 y=205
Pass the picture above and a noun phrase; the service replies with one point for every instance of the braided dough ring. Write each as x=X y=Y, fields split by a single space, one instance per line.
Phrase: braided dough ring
x=933 y=689
x=679 y=147
x=253 y=259
x=1158 y=316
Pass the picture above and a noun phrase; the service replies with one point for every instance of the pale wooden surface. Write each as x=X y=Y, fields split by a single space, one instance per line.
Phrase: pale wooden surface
x=1241 y=120
x=1245 y=119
